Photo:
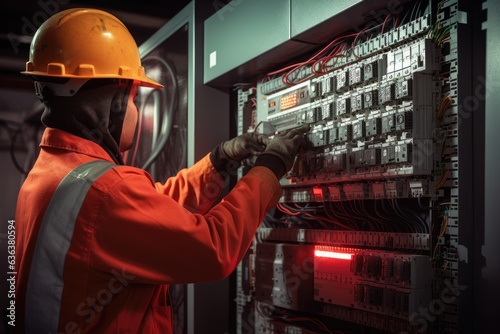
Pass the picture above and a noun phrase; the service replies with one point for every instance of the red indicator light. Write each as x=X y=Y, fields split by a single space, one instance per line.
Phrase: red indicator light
x=318 y=192
x=272 y=104
x=332 y=255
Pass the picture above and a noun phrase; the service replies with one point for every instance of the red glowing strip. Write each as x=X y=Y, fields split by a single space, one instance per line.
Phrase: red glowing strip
x=332 y=255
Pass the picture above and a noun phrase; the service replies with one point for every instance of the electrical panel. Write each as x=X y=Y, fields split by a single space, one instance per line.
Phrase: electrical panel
x=363 y=126
x=364 y=238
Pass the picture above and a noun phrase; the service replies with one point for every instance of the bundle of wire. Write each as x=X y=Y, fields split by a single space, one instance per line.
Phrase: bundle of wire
x=342 y=47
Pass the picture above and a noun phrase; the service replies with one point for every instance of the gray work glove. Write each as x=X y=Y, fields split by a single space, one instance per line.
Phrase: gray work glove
x=286 y=145
x=245 y=145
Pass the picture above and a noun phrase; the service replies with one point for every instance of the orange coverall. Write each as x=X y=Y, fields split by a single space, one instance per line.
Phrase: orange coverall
x=133 y=236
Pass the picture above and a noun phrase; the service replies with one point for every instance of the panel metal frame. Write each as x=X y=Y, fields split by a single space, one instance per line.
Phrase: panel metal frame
x=208 y=304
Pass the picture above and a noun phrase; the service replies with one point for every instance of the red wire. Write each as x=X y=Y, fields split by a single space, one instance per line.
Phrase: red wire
x=286 y=77
x=313 y=66
x=285 y=68
x=357 y=36
x=324 y=60
x=331 y=43
x=293 y=67
x=337 y=49
x=396 y=23
x=385 y=21
x=285 y=210
x=322 y=64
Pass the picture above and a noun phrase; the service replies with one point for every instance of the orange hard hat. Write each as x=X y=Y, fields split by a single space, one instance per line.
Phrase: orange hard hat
x=86 y=44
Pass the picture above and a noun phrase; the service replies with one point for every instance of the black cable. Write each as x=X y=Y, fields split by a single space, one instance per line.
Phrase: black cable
x=424 y=207
x=402 y=217
x=418 y=218
x=357 y=216
x=166 y=124
x=379 y=224
x=347 y=215
x=386 y=221
x=412 y=217
x=394 y=216
x=415 y=10
x=330 y=215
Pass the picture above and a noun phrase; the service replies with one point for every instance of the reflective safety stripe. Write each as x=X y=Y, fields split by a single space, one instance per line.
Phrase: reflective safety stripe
x=45 y=282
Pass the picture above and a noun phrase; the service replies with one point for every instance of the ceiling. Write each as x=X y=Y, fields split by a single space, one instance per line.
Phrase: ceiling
x=20 y=18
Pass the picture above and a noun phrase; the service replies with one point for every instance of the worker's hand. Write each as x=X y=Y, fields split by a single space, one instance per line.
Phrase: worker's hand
x=244 y=146
x=287 y=145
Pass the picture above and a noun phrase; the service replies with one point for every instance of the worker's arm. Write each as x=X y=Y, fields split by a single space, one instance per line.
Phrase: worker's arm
x=198 y=187
x=195 y=188
x=156 y=240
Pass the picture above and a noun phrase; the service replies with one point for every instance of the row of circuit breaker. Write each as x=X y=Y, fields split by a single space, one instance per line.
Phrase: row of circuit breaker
x=354 y=239
x=377 y=112
x=384 y=42
x=390 y=189
x=302 y=277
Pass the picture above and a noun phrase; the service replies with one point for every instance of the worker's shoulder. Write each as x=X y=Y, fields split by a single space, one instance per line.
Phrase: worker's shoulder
x=122 y=176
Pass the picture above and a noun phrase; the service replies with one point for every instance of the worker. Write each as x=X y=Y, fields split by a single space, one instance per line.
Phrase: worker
x=99 y=242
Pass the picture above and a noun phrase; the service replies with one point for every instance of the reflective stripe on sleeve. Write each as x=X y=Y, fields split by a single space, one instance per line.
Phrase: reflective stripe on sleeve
x=45 y=281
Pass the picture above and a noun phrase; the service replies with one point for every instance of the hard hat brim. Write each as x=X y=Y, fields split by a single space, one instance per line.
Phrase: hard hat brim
x=144 y=81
